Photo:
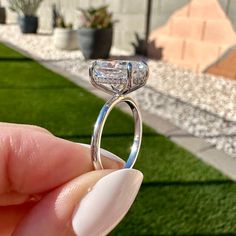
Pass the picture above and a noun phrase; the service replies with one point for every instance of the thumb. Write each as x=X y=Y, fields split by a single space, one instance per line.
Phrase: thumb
x=92 y=204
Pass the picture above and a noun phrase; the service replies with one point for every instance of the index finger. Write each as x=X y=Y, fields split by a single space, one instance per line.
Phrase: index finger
x=32 y=161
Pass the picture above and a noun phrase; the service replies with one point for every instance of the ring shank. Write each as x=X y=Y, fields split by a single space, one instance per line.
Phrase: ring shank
x=99 y=125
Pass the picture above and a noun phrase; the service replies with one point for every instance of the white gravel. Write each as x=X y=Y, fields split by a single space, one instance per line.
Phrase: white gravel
x=215 y=130
x=202 y=104
x=211 y=93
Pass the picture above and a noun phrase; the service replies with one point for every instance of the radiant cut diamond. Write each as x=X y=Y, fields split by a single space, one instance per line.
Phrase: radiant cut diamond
x=119 y=76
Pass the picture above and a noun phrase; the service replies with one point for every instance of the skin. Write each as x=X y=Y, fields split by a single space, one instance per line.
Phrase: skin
x=42 y=180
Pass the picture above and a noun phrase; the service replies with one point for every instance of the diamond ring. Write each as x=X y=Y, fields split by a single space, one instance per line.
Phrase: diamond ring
x=119 y=78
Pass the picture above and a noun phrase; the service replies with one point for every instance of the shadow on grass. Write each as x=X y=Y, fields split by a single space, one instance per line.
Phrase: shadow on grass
x=186 y=183
x=115 y=135
x=38 y=88
x=197 y=234
x=15 y=59
x=204 y=136
x=22 y=59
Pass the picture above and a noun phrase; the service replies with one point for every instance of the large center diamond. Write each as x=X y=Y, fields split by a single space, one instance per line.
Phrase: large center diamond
x=118 y=76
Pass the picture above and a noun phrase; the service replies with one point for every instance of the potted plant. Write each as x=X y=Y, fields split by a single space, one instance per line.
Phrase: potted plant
x=64 y=36
x=96 y=32
x=26 y=10
x=2 y=14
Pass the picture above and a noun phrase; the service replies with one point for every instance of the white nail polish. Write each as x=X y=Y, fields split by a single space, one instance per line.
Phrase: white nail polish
x=106 y=204
x=105 y=153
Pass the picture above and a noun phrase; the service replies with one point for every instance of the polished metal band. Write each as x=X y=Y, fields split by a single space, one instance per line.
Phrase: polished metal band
x=98 y=128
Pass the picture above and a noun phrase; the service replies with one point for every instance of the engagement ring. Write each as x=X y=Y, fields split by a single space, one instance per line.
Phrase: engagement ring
x=119 y=78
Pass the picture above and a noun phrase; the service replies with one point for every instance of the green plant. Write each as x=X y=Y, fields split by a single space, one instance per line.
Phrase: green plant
x=59 y=20
x=98 y=18
x=25 y=7
x=60 y=23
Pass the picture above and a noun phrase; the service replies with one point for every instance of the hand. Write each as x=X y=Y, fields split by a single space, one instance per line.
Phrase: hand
x=48 y=186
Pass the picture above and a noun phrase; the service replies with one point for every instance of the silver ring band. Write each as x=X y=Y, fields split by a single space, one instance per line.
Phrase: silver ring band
x=98 y=128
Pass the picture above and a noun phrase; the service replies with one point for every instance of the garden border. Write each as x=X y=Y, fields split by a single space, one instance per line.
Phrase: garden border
x=198 y=146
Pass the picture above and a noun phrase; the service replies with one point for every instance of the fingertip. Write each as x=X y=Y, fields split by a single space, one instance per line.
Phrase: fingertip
x=109 y=159
x=29 y=156
x=53 y=214
x=92 y=204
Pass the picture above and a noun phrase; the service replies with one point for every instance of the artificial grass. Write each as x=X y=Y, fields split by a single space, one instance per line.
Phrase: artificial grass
x=180 y=194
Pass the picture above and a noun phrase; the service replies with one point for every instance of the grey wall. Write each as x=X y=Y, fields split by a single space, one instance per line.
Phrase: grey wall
x=131 y=16
x=163 y=9
x=229 y=7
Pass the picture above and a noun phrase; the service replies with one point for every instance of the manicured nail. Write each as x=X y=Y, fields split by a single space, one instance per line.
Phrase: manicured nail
x=104 y=206
x=106 y=153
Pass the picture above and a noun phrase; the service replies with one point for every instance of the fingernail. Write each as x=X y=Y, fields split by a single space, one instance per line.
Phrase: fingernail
x=106 y=153
x=103 y=207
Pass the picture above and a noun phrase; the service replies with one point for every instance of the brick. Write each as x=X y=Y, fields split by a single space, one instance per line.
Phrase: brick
x=164 y=30
x=230 y=57
x=219 y=32
x=186 y=64
x=199 y=52
x=225 y=66
x=223 y=49
x=184 y=27
x=228 y=62
x=172 y=47
x=182 y=12
x=201 y=24
x=209 y=9
x=201 y=68
x=221 y=72
x=224 y=5
x=165 y=47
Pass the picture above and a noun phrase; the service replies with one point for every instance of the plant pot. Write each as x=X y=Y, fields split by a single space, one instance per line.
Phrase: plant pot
x=95 y=43
x=65 y=39
x=2 y=15
x=28 y=24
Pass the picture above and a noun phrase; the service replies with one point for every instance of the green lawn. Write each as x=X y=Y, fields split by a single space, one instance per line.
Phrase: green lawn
x=180 y=195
